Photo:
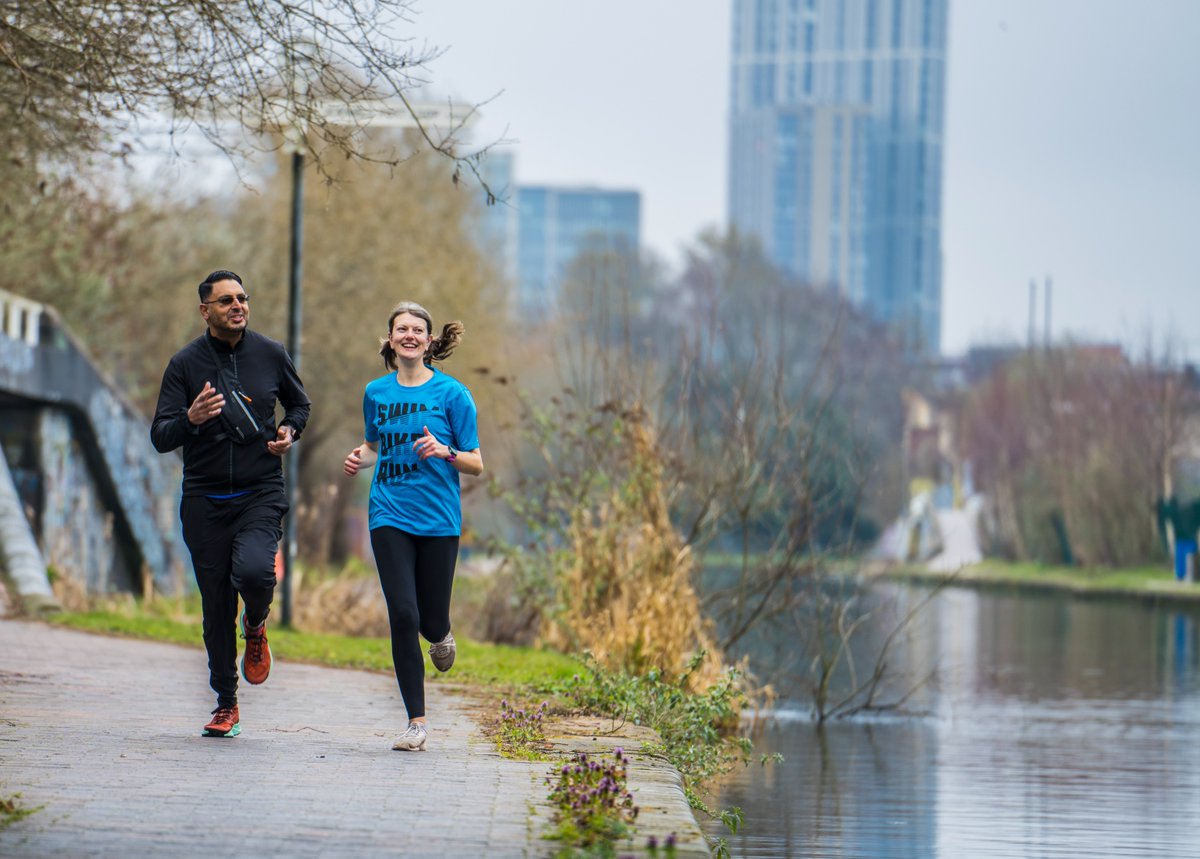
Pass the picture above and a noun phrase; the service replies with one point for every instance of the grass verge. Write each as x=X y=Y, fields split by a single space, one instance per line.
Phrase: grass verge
x=1152 y=581
x=492 y=666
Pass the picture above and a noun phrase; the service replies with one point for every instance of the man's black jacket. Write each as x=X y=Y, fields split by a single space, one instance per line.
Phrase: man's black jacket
x=214 y=464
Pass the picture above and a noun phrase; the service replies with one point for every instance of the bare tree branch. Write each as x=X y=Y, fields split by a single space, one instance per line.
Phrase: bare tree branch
x=246 y=74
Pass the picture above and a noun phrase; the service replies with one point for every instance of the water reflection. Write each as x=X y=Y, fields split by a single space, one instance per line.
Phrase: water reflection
x=1057 y=727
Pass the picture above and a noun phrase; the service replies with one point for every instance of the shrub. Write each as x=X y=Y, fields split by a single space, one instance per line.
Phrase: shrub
x=697 y=730
x=612 y=574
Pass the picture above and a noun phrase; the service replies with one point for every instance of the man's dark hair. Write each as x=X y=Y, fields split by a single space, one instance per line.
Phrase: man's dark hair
x=217 y=276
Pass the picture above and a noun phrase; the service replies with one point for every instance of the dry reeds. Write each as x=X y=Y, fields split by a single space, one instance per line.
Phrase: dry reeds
x=625 y=593
x=71 y=593
x=346 y=604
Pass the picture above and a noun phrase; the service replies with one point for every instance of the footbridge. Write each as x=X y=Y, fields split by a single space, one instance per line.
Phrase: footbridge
x=84 y=496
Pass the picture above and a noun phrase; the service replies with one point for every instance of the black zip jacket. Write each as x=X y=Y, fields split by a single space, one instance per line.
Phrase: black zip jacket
x=212 y=463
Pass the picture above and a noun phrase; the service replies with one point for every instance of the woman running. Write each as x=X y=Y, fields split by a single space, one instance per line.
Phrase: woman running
x=420 y=435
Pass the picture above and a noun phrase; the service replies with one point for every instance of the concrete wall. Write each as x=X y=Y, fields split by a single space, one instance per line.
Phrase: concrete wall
x=76 y=532
x=102 y=503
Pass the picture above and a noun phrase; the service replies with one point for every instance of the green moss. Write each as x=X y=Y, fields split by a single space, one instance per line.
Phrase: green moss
x=11 y=811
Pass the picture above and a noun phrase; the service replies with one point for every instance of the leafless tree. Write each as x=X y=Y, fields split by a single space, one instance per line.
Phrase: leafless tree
x=772 y=405
x=1073 y=445
x=247 y=74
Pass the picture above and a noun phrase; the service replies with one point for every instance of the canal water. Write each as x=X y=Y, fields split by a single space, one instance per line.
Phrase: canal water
x=1055 y=727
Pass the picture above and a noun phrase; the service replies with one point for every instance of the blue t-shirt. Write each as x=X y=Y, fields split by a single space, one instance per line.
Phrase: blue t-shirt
x=418 y=497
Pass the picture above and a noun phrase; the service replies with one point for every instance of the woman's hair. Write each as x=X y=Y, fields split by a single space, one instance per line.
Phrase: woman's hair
x=439 y=349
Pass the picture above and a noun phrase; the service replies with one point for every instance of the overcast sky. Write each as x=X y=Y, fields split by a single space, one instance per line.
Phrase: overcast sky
x=1072 y=141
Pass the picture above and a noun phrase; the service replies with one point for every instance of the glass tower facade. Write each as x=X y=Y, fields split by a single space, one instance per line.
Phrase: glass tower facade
x=498 y=222
x=555 y=224
x=836 y=148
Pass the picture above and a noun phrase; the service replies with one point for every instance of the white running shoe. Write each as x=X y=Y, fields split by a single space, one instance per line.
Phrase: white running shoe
x=412 y=740
x=441 y=654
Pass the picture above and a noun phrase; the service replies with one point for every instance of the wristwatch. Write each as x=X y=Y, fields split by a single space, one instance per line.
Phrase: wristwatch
x=453 y=454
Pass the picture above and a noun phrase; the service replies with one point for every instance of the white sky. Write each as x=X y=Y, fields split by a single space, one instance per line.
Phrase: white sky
x=1072 y=141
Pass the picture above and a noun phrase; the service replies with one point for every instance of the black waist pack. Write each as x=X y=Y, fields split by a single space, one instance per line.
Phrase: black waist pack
x=237 y=418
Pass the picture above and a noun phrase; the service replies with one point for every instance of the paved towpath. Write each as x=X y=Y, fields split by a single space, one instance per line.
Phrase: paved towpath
x=104 y=734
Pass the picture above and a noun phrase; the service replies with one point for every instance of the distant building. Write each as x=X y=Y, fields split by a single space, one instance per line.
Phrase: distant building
x=499 y=222
x=535 y=232
x=555 y=224
x=836 y=117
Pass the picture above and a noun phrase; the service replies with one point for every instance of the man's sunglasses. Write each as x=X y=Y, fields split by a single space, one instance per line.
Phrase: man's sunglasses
x=227 y=300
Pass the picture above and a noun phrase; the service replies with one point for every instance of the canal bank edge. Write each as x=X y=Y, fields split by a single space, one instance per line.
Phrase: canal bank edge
x=1084 y=583
x=656 y=785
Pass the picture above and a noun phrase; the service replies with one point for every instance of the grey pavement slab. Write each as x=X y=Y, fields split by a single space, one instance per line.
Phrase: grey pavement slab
x=104 y=735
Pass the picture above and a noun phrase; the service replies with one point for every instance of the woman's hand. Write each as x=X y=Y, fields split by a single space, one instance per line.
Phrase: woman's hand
x=427 y=446
x=354 y=461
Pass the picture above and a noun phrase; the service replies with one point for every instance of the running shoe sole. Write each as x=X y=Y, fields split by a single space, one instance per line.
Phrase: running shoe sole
x=232 y=732
x=406 y=743
x=442 y=653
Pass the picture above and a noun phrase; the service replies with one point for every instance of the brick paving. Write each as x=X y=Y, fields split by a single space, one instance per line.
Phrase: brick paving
x=104 y=734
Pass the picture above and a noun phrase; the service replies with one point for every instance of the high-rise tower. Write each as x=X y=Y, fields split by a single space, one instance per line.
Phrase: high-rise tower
x=836 y=148
x=555 y=224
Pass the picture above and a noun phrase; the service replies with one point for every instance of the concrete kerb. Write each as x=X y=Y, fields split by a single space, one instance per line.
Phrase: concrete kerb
x=656 y=785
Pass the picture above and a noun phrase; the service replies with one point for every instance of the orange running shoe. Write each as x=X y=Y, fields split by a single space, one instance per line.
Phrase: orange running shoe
x=224 y=723
x=256 y=661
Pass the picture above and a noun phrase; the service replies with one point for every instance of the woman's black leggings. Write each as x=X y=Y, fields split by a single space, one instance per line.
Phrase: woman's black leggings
x=417 y=574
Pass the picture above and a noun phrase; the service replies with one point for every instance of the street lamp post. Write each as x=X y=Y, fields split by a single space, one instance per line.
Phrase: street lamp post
x=370 y=112
x=292 y=463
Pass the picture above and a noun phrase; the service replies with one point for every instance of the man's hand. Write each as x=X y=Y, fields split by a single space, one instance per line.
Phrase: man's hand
x=206 y=406
x=283 y=441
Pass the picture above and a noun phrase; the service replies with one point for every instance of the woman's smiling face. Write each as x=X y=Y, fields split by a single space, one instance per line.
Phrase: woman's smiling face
x=410 y=337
